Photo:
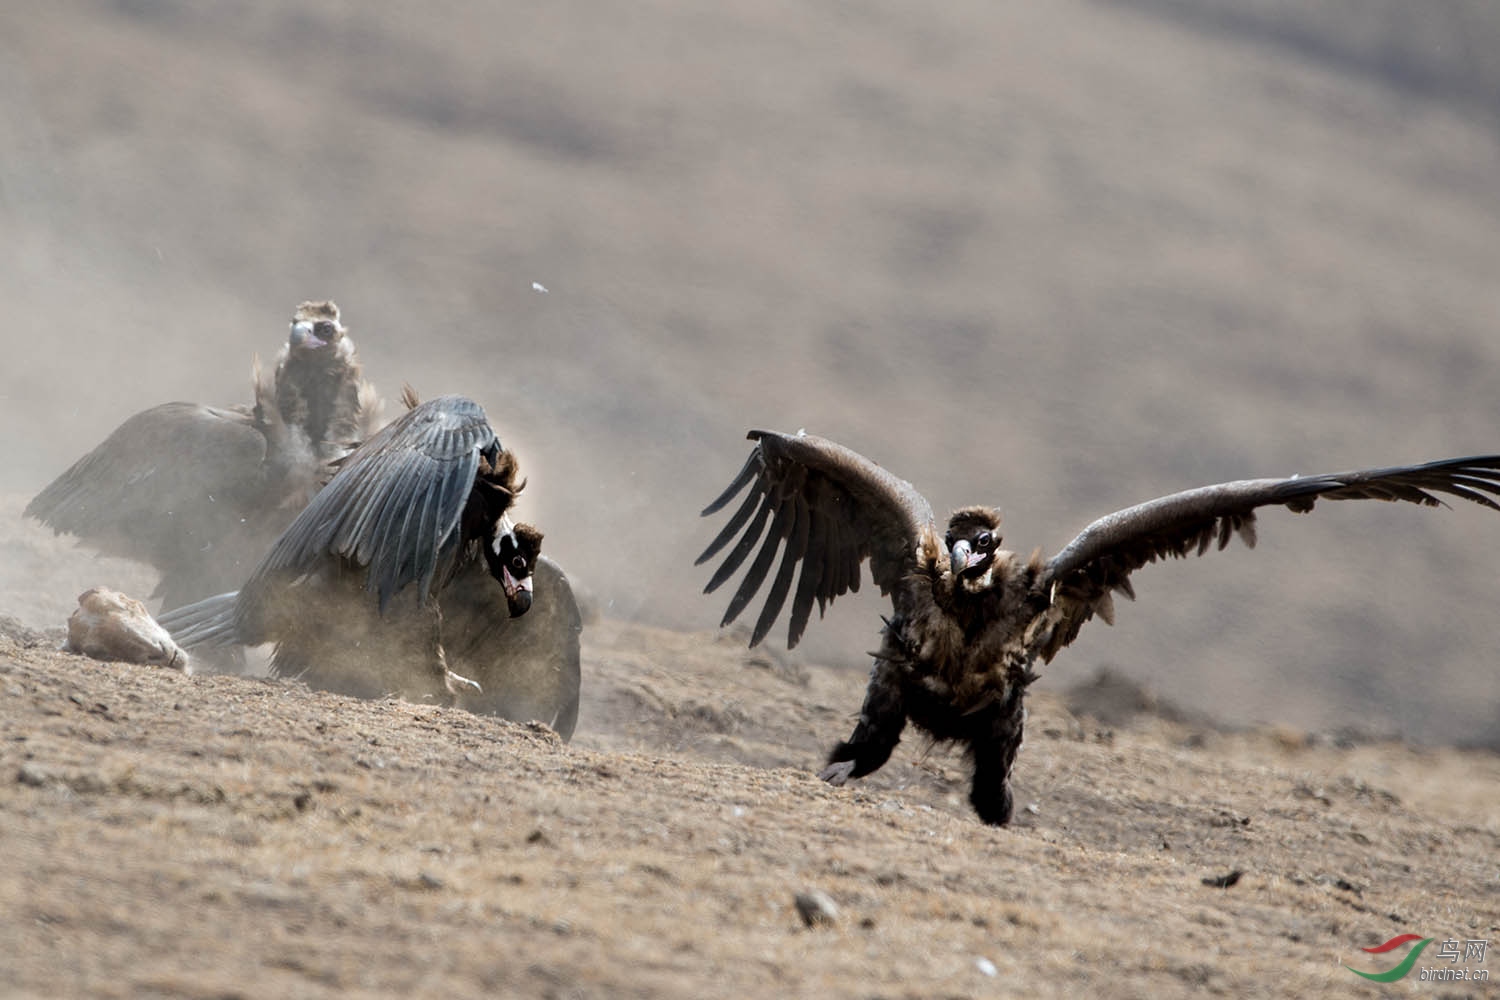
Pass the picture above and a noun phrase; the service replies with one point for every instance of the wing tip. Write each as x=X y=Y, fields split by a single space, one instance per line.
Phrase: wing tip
x=759 y=634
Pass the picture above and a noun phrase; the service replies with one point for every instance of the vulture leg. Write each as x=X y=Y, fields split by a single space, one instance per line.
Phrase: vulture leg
x=881 y=718
x=454 y=684
x=528 y=666
x=993 y=748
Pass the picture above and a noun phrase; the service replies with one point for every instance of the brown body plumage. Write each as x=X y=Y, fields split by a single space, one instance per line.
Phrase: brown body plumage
x=527 y=668
x=200 y=492
x=970 y=620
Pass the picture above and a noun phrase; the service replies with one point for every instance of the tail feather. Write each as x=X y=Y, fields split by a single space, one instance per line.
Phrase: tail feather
x=205 y=624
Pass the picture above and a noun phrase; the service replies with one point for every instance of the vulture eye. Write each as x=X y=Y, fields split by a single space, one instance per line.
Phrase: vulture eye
x=985 y=540
x=518 y=564
x=324 y=329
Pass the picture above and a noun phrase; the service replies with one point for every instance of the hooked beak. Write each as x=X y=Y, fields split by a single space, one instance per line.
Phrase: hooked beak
x=303 y=338
x=517 y=593
x=963 y=557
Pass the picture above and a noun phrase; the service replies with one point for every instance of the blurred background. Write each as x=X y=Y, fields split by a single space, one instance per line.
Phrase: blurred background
x=1059 y=257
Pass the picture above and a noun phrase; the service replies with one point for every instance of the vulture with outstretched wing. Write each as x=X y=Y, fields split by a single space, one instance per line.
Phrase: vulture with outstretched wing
x=970 y=619
x=200 y=492
x=350 y=593
x=527 y=668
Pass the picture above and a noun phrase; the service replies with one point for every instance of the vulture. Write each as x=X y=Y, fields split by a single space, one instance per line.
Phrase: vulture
x=200 y=492
x=969 y=619
x=352 y=593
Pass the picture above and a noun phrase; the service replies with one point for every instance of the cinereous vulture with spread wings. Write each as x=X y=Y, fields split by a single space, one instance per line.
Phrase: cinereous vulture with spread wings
x=350 y=593
x=200 y=492
x=970 y=619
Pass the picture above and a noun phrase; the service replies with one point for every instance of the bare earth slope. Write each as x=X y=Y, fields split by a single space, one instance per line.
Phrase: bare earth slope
x=214 y=837
x=226 y=837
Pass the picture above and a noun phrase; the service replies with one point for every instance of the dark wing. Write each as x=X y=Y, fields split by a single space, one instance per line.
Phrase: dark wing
x=394 y=505
x=171 y=487
x=208 y=623
x=833 y=508
x=1101 y=559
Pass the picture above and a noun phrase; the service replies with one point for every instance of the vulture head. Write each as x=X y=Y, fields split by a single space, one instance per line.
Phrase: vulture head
x=973 y=539
x=510 y=549
x=316 y=334
x=512 y=556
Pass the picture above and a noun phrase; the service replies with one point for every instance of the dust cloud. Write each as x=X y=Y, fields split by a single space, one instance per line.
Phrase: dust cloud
x=994 y=250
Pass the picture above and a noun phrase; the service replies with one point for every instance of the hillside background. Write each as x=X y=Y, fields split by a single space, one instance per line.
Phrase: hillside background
x=1061 y=257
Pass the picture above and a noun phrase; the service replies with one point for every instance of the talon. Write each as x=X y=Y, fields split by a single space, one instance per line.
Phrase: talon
x=837 y=774
x=458 y=683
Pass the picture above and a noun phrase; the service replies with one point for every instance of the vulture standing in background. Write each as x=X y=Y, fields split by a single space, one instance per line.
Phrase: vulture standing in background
x=201 y=492
x=971 y=619
x=352 y=591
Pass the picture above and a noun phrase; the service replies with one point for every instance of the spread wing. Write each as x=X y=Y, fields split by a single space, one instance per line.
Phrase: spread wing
x=166 y=486
x=831 y=508
x=394 y=505
x=1101 y=559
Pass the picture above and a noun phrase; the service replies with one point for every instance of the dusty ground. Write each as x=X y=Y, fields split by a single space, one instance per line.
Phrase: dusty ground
x=217 y=837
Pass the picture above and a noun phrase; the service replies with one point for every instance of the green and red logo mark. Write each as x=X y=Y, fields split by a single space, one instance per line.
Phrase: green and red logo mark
x=1400 y=971
x=1455 y=952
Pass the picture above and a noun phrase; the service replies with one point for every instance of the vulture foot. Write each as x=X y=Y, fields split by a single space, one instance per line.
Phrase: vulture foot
x=458 y=684
x=837 y=774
